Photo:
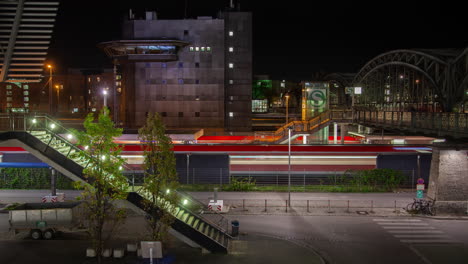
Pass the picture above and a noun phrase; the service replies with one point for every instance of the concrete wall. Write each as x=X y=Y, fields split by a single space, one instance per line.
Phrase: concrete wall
x=448 y=182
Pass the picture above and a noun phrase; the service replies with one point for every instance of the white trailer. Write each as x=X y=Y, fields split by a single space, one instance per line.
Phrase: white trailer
x=44 y=220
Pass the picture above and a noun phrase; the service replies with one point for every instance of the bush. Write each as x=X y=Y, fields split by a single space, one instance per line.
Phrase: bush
x=240 y=185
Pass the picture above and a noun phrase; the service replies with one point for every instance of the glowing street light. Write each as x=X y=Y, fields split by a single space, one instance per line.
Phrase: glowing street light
x=287 y=108
x=51 y=108
x=104 y=92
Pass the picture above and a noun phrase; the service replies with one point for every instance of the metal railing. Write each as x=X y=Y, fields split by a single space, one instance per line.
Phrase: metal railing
x=454 y=124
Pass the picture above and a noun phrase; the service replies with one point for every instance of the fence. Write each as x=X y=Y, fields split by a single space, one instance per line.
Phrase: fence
x=254 y=206
x=280 y=179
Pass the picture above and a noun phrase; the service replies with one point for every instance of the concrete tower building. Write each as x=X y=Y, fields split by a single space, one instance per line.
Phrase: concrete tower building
x=197 y=73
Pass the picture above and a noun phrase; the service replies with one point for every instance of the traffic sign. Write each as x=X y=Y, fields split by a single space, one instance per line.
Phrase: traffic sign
x=420 y=181
x=419 y=194
x=420 y=187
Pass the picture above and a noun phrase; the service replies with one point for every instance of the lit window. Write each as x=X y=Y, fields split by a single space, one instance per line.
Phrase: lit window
x=259 y=83
x=202 y=48
x=98 y=79
x=26 y=99
x=231 y=33
x=26 y=87
x=283 y=84
x=89 y=79
x=89 y=91
x=197 y=49
x=231 y=114
x=191 y=48
x=25 y=92
x=208 y=48
x=231 y=49
x=9 y=105
x=231 y=65
x=94 y=109
x=231 y=81
x=26 y=104
x=75 y=110
x=9 y=93
x=8 y=87
x=9 y=99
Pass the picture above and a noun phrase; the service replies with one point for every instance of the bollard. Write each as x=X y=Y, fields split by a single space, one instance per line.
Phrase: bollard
x=265 y=205
x=243 y=204
x=286 y=206
x=372 y=206
x=308 y=206
x=395 y=211
x=347 y=210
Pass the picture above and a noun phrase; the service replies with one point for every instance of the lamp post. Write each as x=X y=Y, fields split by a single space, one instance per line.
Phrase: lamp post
x=289 y=166
x=104 y=92
x=58 y=96
x=51 y=108
x=287 y=107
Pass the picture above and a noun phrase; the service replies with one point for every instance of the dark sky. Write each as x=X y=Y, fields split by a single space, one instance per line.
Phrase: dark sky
x=292 y=39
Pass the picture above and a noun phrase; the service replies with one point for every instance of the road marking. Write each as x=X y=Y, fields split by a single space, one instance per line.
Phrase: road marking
x=424 y=241
x=397 y=220
x=422 y=236
x=404 y=224
x=415 y=232
x=408 y=227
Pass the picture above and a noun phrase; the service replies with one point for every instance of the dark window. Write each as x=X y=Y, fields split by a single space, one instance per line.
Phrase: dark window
x=185 y=32
x=181 y=114
x=164 y=81
x=148 y=81
x=197 y=114
x=181 y=64
x=147 y=65
x=163 y=113
x=197 y=81
x=163 y=65
x=181 y=81
x=197 y=65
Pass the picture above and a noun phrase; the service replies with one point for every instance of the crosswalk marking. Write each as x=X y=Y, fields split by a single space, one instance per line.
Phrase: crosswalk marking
x=399 y=220
x=419 y=241
x=408 y=227
x=413 y=231
x=404 y=224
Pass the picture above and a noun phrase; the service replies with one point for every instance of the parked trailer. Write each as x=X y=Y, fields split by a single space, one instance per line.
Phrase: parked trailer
x=44 y=220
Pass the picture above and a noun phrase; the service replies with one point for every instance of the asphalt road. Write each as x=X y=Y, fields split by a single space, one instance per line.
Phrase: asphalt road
x=337 y=239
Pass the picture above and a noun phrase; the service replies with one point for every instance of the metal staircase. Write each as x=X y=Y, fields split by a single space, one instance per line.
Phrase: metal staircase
x=49 y=141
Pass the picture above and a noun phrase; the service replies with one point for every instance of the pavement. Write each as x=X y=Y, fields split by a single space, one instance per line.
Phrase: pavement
x=267 y=246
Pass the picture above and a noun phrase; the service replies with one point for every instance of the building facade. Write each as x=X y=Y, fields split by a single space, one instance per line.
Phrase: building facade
x=196 y=73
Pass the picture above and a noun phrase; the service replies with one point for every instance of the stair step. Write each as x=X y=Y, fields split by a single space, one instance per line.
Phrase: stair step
x=38 y=132
x=184 y=217
x=190 y=220
x=180 y=213
x=201 y=227
x=195 y=223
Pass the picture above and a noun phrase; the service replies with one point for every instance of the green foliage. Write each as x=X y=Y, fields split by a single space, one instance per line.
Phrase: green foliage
x=104 y=176
x=240 y=185
x=376 y=179
x=31 y=178
x=161 y=179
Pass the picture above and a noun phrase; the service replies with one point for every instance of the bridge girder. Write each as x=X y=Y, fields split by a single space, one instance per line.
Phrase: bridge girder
x=445 y=75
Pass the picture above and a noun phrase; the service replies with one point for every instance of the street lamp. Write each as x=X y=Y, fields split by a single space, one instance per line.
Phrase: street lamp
x=58 y=96
x=289 y=165
x=287 y=107
x=104 y=92
x=51 y=109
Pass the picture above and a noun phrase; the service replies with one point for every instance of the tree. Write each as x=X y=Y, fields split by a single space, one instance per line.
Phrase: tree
x=160 y=177
x=103 y=173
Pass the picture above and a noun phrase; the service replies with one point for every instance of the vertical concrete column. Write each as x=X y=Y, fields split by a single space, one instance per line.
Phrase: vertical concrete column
x=343 y=132
x=304 y=139
x=53 y=186
x=448 y=180
x=359 y=128
x=335 y=133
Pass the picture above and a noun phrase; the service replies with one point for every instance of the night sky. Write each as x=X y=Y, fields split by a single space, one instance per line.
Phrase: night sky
x=292 y=40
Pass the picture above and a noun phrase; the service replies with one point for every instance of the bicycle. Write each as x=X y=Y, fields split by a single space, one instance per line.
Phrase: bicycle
x=421 y=206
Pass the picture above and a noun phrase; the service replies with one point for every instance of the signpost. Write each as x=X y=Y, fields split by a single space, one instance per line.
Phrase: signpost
x=420 y=188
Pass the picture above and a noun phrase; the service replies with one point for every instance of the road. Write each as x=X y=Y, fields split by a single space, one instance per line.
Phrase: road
x=336 y=238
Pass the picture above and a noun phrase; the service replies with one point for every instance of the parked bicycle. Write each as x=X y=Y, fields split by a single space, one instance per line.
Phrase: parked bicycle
x=421 y=206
